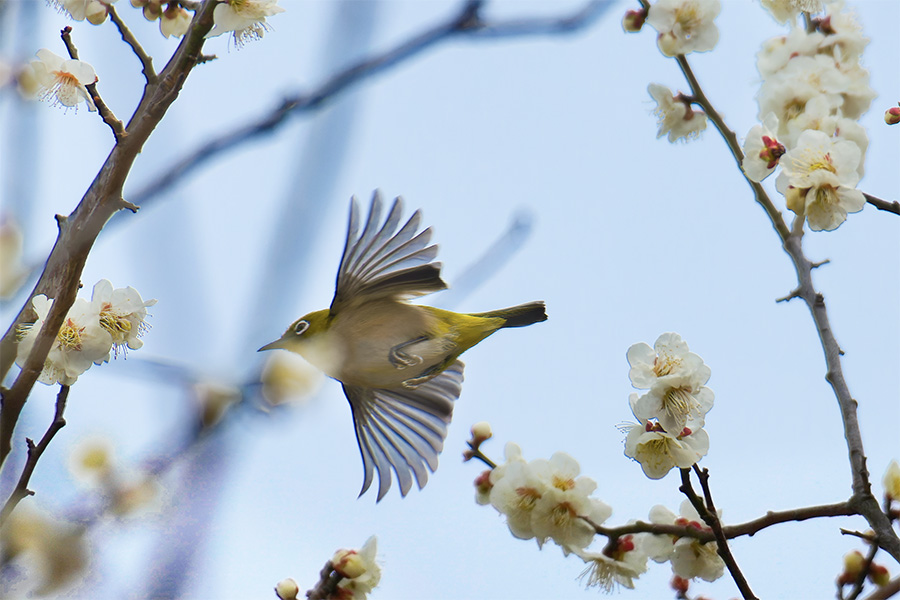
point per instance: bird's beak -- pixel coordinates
(279, 343)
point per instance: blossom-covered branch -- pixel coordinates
(467, 23)
(77, 232)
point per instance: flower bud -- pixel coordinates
(879, 575)
(96, 12)
(892, 115)
(680, 584)
(348, 563)
(481, 431)
(287, 589)
(634, 20)
(854, 563)
(152, 11)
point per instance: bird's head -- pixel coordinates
(302, 333)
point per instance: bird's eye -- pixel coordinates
(301, 327)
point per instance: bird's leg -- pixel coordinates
(401, 359)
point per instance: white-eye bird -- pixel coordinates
(398, 362)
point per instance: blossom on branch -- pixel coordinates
(123, 314)
(94, 11)
(360, 573)
(675, 115)
(818, 178)
(80, 341)
(685, 26)
(245, 18)
(786, 11)
(63, 81)
(659, 451)
(689, 557)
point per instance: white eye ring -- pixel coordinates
(301, 327)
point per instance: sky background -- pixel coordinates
(630, 237)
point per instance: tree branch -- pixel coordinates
(880, 204)
(21, 490)
(147, 62)
(467, 23)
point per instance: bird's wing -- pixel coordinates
(379, 263)
(403, 429)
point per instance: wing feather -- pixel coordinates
(403, 429)
(382, 262)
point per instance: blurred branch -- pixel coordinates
(327, 584)
(861, 578)
(468, 23)
(887, 591)
(880, 204)
(21, 490)
(102, 109)
(792, 242)
(60, 279)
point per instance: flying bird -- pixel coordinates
(398, 362)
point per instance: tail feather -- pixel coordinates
(518, 316)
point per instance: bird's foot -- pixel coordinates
(403, 360)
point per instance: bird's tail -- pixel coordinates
(518, 316)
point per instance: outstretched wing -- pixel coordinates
(403, 429)
(380, 263)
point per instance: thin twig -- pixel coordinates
(21, 490)
(707, 512)
(467, 23)
(886, 591)
(880, 204)
(864, 572)
(128, 37)
(103, 110)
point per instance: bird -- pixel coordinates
(398, 362)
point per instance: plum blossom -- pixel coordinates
(675, 115)
(659, 452)
(786, 11)
(63, 81)
(689, 556)
(245, 18)
(818, 178)
(618, 566)
(80, 341)
(359, 570)
(685, 26)
(762, 150)
(123, 314)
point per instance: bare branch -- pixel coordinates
(880, 204)
(146, 61)
(887, 591)
(21, 490)
(468, 23)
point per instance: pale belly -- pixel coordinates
(370, 335)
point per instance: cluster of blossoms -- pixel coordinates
(688, 556)
(671, 414)
(813, 91)
(547, 500)
(92, 11)
(111, 321)
(359, 575)
(174, 20)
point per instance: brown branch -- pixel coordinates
(467, 23)
(886, 591)
(102, 109)
(880, 204)
(861, 578)
(707, 512)
(21, 490)
(128, 37)
(77, 233)
(863, 500)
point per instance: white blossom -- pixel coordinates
(246, 18)
(658, 451)
(675, 116)
(778, 51)
(80, 341)
(12, 269)
(786, 11)
(366, 573)
(617, 567)
(762, 150)
(63, 81)
(174, 21)
(689, 557)
(818, 179)
(123, 314)
(685, 26)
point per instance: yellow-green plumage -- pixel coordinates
(398, 362)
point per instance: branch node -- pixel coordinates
(795, 293)
(816, 265)
(128, 205)
(205, 58)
